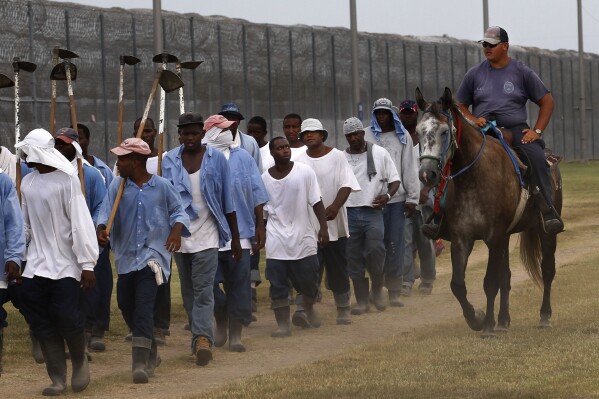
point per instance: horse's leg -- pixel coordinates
(460, 251)
(548, 247)
(503, 317)
(495, 275)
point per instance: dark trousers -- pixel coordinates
(96, 302)
(301, 273)
(236, 295)
(536, 156)
(162, 307)
(335, 264)
(10, 294)
(136, 294)
(51, 307)
(255, 268)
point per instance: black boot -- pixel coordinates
(220, 333)
(80, 377)
(282, 316)
(1, 347)
(56, 364)
(154, 360)
(361, 287)
(235, 328)
(140, 354)
(36, 350)
(378, 296)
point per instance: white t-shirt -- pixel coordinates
(290, 233)
(333, 173)
(60, 234)
(203, 229)
(268, 161)
(386, 173)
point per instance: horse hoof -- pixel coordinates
(488, 335)
(477, 323)
(502, 329)
(544, 324)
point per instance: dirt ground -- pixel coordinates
(179, 376)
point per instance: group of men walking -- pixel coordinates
(218, 199)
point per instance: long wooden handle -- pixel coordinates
(140, 130)
(160, 150)
(121, 105)
(74, 123)
(18, 177)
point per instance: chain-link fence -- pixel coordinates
(267, 70)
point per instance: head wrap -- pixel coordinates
(38, 146)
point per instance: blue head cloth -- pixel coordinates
(386, 104)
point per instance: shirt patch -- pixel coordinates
(508, 87)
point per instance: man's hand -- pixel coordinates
(12, 270)
(409, 210)
(88, 279)
(323, 237)
(236, 249)
(380, 201)
(331, 212)
(529, 136)
(259, 239)
(173, 241)
(480, 122)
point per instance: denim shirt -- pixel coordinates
(248, 190)
(215, 186)
(143, 222)
(249, 144)
(12, 234)
(104, 170)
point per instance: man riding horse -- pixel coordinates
(502, 86)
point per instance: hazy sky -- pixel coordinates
(549, 24)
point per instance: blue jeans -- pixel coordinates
(416, 242)
(51, 307)
(302, 273)
(365, 246)
(395, 220)
(196, 274)
(235, 297)
(135, 295)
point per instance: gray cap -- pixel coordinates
(190, 118)
(352, 125)
(386, 104)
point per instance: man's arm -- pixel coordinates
(260, 235)
(342, 196)
(546, 105)
(235, 244)
(323, 233)
(464, 108)
(381, 200)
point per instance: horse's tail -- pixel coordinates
(531, 254)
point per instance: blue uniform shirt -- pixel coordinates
(215, 185)
(143, 222)
(12, 234)
(104, 170)
(248, 190)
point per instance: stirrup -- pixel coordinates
(553, 226)
(431, 230)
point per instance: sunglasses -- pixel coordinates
(489, 45)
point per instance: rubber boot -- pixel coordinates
(56, 364)
(154, 360)
(96, 340)
(378, 296)
(343, 313)
(394, 288)
(311, 314)
(220, 330)
(36, 350)
(361, 287)
(282, 315)
(140, 354)
(1, 347)
(235, 328)
(80, 377)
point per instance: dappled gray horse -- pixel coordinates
(483, 200)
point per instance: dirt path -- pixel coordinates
(178, 375)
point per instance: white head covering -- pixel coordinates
(38, 146)
(221, 139)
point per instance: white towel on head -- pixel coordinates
(221, 139)
(8, 163)
(38, 146)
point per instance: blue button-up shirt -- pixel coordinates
(104, 170)
(215, 186)
(248, 190)
(12, 234)
(143, 222)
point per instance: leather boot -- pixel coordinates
(311, 314)
(56, 364)
(140, 354)
(378, 296)
(361, 287)
(154, 359)
(36, 350)
(80, 377)
(220, 327)
(202, 350)
(235, 328)
(282, 316)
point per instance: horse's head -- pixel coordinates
(437, 137)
